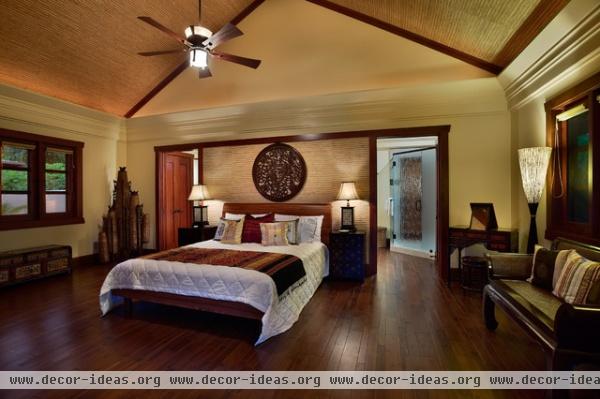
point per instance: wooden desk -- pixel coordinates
(459, 237)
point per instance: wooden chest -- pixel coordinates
(32, 263)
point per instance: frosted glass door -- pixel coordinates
(413, 196)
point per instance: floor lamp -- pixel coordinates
(534, 167)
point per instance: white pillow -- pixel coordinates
(238, 216)
(309, 227)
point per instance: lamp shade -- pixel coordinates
(534, 167)
(347, 192)
(199, 193)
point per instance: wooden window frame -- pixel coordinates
(558, 224)
(37, 216)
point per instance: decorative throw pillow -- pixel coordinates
(309, 227)
(221, 227)
(542, 271)
(307, 230)
(292, 231)
(274, 233)
(578, 280)
(232, 233)
(561, 259)
(252, 232)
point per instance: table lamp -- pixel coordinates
(347, 193)
(199, 193)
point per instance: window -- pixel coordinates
(15, 178)
(40, 181)
(573, 130)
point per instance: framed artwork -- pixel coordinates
(483, 216)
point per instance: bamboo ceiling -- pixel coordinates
(85, 51)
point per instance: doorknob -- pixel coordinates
(177, 211)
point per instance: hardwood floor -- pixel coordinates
(404, 318)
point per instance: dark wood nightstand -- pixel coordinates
(190, 235)
(346, 255)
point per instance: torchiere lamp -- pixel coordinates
(200, 212)
(347, 193)
(534, 167)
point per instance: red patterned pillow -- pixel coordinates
(251, 231)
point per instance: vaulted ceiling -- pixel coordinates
(85, 52)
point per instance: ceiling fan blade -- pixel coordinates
(152, 53)
(227, 32)
(204, 73)
(164, 29)
(249, 62)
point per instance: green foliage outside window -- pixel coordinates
(16, 180)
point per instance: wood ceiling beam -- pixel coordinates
(541, 16)
(470, 59)
(181, 67)
(161, 85)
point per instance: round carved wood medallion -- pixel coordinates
(279, 172)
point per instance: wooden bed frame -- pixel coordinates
(230, 308)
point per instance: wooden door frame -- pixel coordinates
(442, 223)
(160, 161)
(443, 207)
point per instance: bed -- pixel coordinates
(227, 290)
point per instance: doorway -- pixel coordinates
(175, 177)
(407, 184)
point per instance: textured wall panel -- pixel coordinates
(228, 175)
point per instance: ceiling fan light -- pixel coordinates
(198, 58)
(197, 30)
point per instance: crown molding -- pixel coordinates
(25, 110)
(573, 58)
(363, 110)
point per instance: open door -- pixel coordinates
(175, 176)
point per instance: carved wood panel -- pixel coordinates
(279, 172)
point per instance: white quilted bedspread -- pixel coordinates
(227, 283)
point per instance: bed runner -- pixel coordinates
(284, 269)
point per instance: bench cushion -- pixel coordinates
(537, 304)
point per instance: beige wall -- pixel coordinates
(102, 152)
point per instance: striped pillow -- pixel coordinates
(232, 233)
(274, 233)
(577, 278)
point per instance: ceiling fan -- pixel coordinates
(200, 43)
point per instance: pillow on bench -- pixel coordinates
(546, 267)
(579, 281)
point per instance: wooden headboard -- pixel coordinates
(287, 209)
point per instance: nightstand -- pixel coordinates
(190, 235)
(346, 255)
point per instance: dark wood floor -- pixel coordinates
(405, 318)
